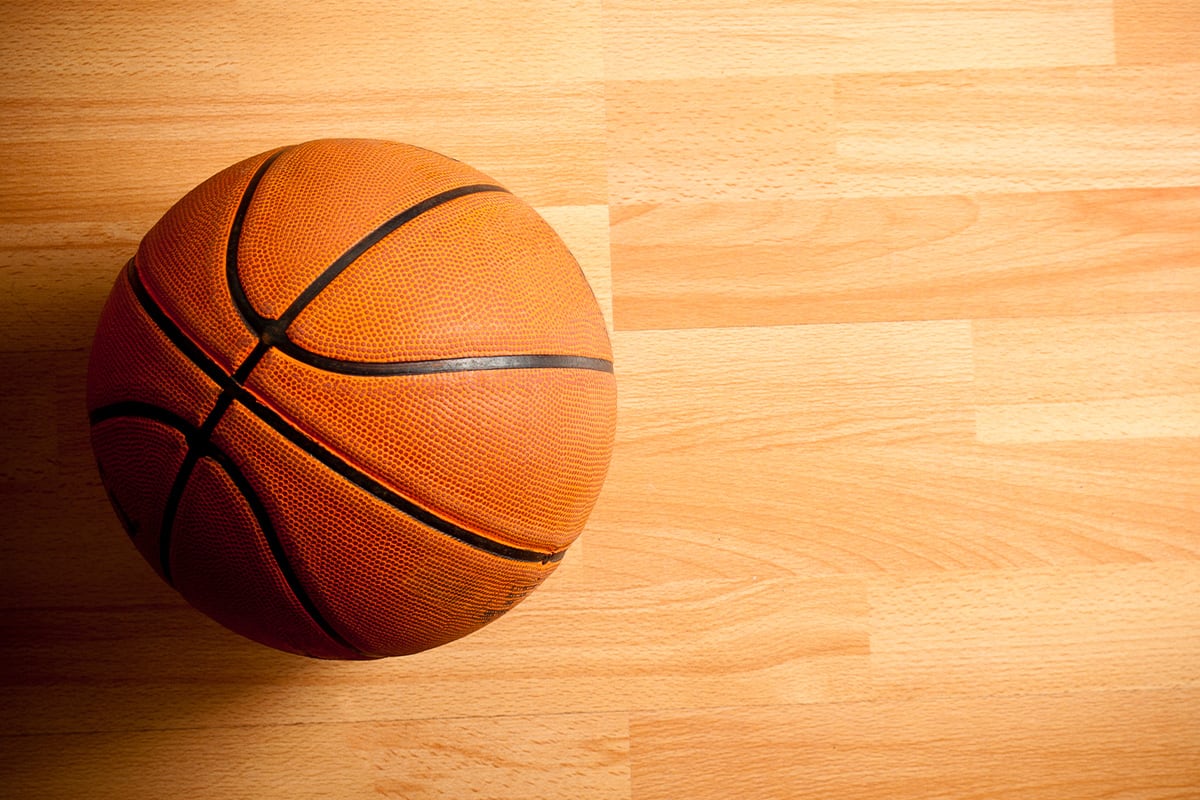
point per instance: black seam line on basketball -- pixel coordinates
(367, 242)
(263, 518)
(395, 500)
(277, 423)
(251, 361)
(184, 343)
(170, 508)
(254, 321)
(173, 332)
(197, 441)
(126, 409)
(135, 408)
(466, 364)
(268, 416)
(148, 411)
(227, 382)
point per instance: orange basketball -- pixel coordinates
(352, 399)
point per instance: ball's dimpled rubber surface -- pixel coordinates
(513, 453)
(514, 288)
(135, 361)
(388, 583)
(222, 564)
(138, 458)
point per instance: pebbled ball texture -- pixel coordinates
(352, 399)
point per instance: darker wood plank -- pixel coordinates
(1156, 31)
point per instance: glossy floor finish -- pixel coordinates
(905, 301)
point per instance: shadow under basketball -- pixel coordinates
(90, 639)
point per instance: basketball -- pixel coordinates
(352, 399)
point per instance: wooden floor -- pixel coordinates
(905, 501)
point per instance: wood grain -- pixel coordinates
(995, 747)
(1036, 630)
(113, 49)
(158, 665)
(887, 134)
(905, 299)
(519, 757)
(1156, 31)
(1056, 385)
(1069, 128)
(721, 139)
(874, 259)
(720, 37)
(860, 448)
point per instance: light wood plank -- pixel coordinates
(1129, 418)
(895, 134)
(366, 44)
(882, 259)
(852, 448)
(719, 139)
(1088, 378)
(552, 756)
(1019, 631)
(1136, 745)
(110, 49)
(719, 38)
(1019, 130)
(1085, 358)
(802, 510)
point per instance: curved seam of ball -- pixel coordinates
(203, 447)
(253, 320)
(197, 440)
(339, 464)
(435, 365)
(290, 430)
(273, 332)
(263, 518)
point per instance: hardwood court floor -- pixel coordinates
(905, 299)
